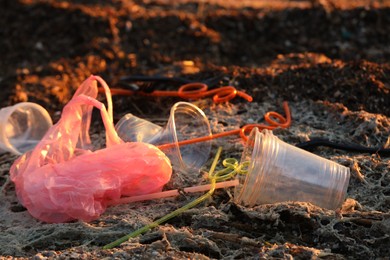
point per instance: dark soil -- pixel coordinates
(339, 55)
(333, 54)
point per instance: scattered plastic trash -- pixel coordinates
(270, 171)
(276, 164)
(274, 120)
(186, 121)
(187, 135)
(62, 179)
(22, 126)
(48, 180)
(232, 168)
(281, 172)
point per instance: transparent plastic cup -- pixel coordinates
(22, 126)
(280, 172)
(186, 121)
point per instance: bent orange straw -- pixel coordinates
(190, 91)
(273, 119)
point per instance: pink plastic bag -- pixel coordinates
(62, 179)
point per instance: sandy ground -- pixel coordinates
(329, 62)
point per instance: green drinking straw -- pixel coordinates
(232, 167)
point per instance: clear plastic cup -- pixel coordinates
(22, 126)
(186, 121)
(280, 172)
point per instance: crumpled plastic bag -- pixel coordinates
(63, 179)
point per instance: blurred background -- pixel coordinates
(321, 49)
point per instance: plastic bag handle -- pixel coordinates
(89, 88)
(38, 159)
(112, 137)
(107, 91)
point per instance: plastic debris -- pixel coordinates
(22, 126)
(281, 172)
(186, 122)
(63, 179)
(232, 168)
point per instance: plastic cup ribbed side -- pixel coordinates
(281, 172)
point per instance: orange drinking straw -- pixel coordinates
(190, 91)
(273, 119)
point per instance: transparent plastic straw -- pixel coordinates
(173, 193)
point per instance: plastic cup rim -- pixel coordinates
(8, 112)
